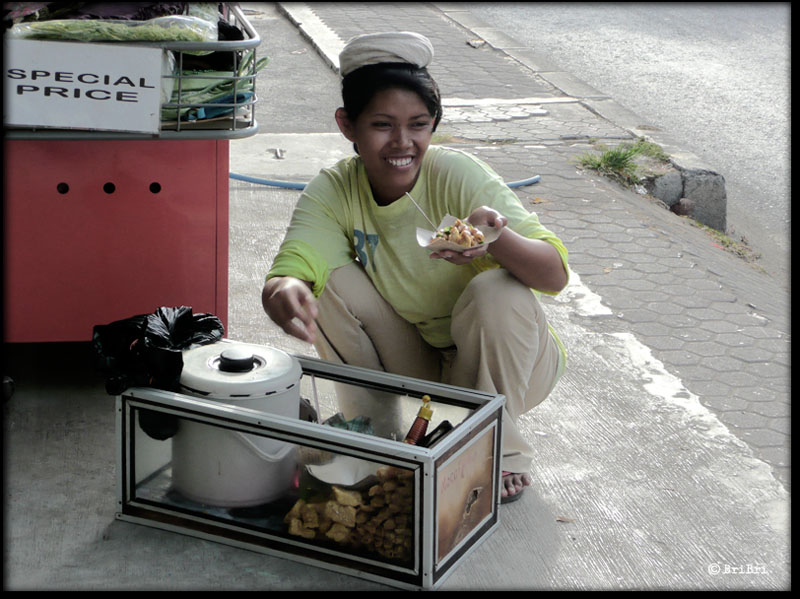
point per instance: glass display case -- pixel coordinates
(339, 486)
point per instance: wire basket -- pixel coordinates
(204, 102)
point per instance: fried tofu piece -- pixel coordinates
(295, 511)
(310, 516)
(342, 514)
(296, 528)
(338, 532)
(345, 497)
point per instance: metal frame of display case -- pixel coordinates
(431, 562)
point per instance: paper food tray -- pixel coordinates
(427, 239)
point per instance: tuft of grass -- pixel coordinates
(620, 163)
(650, 149)
(617, 163)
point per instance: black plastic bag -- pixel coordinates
(145, 351)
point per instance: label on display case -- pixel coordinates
(465, 493)
(105, 87)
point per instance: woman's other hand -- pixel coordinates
(487, 217)
(480, 217)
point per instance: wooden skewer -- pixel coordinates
(421, 211)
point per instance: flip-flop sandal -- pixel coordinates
(515, 496)
(511, 498)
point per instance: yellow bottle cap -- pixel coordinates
(426, 411)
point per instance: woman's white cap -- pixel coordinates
(391, 46)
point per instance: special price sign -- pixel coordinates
(67, 85)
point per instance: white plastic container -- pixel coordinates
(224, 468)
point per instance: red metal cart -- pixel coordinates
(100, 226)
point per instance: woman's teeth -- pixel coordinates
(400, 161)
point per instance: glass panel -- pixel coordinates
(307, 494)
(374, 517)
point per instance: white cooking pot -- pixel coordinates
(226, 468)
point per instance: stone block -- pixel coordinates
(667, 187)
(706, 189)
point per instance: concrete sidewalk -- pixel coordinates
(663, 453)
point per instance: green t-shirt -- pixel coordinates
(336, 221)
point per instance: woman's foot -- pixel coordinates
(513, 485)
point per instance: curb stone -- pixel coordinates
(322, 38)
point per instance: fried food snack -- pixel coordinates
(462, 233)
(378, 520)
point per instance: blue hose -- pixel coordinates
(284, 184)
(524, 182)
(293, 185)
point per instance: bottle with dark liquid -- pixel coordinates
(420, 426)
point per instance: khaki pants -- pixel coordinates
(502, 344)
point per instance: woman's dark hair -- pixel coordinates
(361, 85)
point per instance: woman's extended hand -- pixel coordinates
(290, 303)
(480, 217)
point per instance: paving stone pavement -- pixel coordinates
(708, 327)
(714, 321)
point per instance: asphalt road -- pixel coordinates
(715, 76)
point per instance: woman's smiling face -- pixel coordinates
(392, 134)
